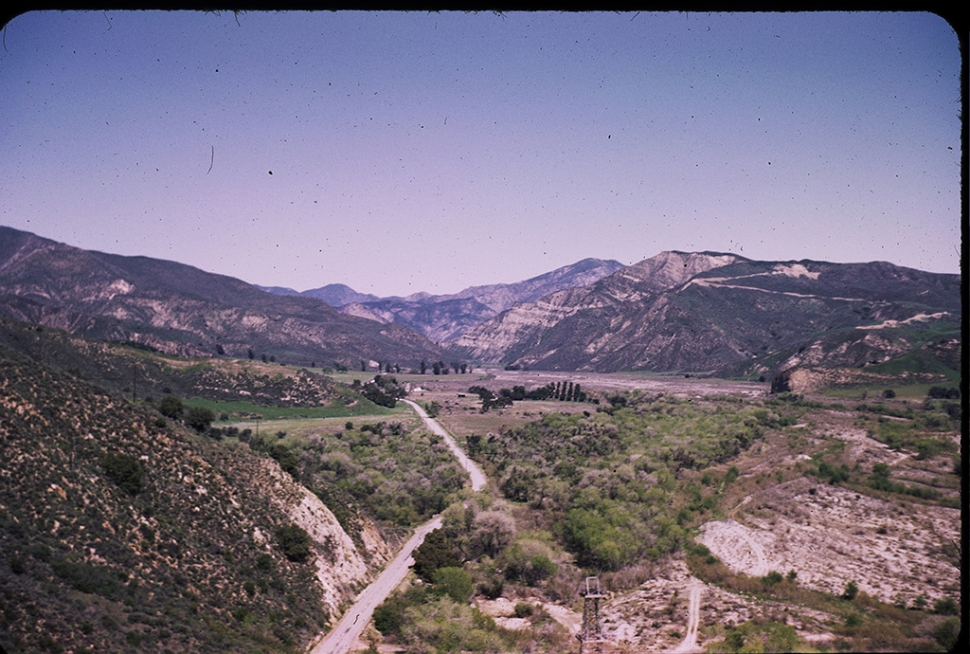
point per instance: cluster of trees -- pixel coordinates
(879, 479)
(441, 368)
(383, 391)
(607, 484)
(562, 391)
(199, 418)
(941, 392)
(387, 367)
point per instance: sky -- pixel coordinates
(428, 152)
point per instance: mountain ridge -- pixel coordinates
(184, 310)
(444, 318)
(708, 312)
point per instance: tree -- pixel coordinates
(433, 408)
(171, 407)
(295, 542)
(437, 551)
(124, 470)
(493, 532)
(250, 353)
(200, 418)
(424, 366)
(436, 368)
(455, 583)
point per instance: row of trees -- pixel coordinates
(441, 368)
(562, 391)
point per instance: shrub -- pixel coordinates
(947, 633)
(124, 470)
(171, 407)
(455, 583)
(851, 590)
(87, 578)
(18, 564)
(294, 542)
(389, 616)
(199, 418)
(523, 610)
(945, 606)
(437, 551)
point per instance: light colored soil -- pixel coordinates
(831, 538)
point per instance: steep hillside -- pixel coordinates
(135, 371)
(444, 318)
(121, 532)
(708, 312)
(183, 310)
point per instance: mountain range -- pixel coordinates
(696, 313)
(724, 314)
(182, 310)
(444, 318)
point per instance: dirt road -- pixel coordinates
(689, 644)
(478, 478)
(344, 636)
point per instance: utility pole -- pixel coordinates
(592, 629)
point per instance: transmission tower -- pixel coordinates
(592, 632)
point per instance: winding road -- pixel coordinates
(479, 481)
(344, 635)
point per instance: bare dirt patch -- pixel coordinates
(834, 535)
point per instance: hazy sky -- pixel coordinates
(405, 152)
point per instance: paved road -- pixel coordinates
(341, 638)
(479, 481)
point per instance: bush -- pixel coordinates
(294, 542)
(389, 616)
(523, 610)
(851, 590)
(87, 578)
(455, 583)
(947, 633)
(124, 470)
(437, 551)
(171, 407)
(945, 606)
(199, 418)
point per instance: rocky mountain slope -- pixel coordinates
(183, 310)
(444, 318)
(138, 373)
(121, 532)
(712, 312)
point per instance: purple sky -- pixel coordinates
(430, 152)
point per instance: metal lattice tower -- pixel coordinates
(592, 629)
